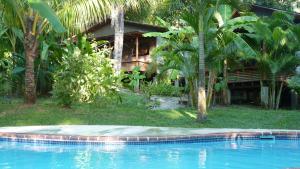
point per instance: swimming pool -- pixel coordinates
(241, 154)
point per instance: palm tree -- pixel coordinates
(180, 49)
(199, 15)
(32, 17)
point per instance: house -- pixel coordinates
(244, 84)
(136, 49)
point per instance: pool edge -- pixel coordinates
(211, 137)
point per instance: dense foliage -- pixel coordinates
(294, 83)
(278, 4)
(178, 50)
(5, 73)
(276, 40)
(161, 89)
(84, 74)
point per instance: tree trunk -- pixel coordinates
(279, 96)
(225, 89)
(273, 92)
(202, 114)
(117, 20)
(192, 94)
(264, 95)
(31, 51)
(210, 87)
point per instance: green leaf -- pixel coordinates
(157, 34)
(224, 14)
(263, 31)
(279, 36)
(240, 22)
(2, 32)
(44, 54)
(18, 32)
(45, 11)
(18, 70)
(243, 46)
(161, 22)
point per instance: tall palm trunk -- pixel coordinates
(225, 89)
(117, 20)
(31, 51)
(202, 114)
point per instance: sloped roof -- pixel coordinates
(129, 26)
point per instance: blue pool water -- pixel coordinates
(254, 154)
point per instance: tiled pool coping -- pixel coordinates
(211, 137)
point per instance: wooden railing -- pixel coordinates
(142, 62)
(251, 76)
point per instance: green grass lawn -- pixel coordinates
(133, 111)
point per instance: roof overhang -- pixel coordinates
(267, 11)
(152, 28)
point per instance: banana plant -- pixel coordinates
(231, 40)
(177, 53)
(32, 17)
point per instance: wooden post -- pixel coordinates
(137, 50)
(264, 96)
(294, 100)
(137, 87)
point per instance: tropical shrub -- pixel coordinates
(294, 83)
(135, 78)
(85, 73)
(5, 73)
(162, 89)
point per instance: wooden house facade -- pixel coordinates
(136, 49)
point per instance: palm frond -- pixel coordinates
(45, 11)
